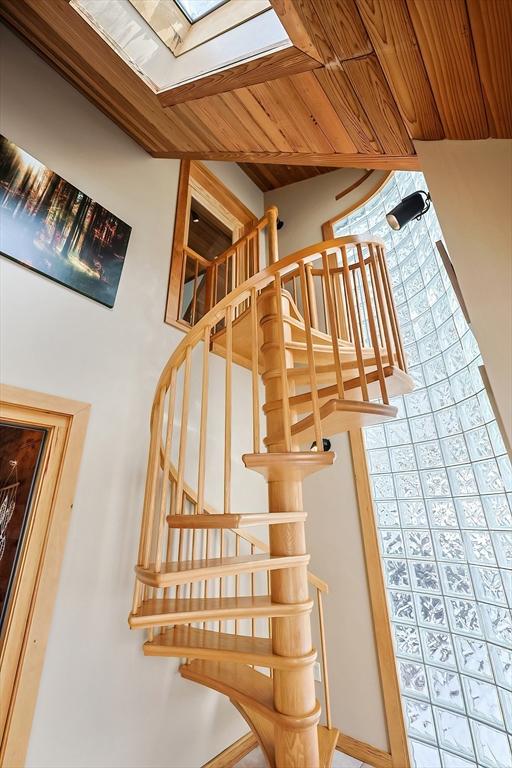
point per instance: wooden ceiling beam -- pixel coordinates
(270, 67)
(334, 160)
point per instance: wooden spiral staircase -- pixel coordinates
(318, 334)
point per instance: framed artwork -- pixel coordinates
(53, 228)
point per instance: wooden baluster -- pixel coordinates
(152, 482)
(237, 576)
(149, 497)
(371, 325)
(287, 437)
(338, 296)
(332, 325)
(228, 409)
(391, 310)
(313, 312)
(347, 313)
(165, 478)
(194, 296)
(311, 360)
(253, 620)
(201, 464)
(355, 328)
(385, 322)
(254, 373)
(323, 647)
(358, 308)
(183, 446)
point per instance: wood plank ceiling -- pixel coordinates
(380, 73)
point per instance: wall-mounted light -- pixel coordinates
(195, 218)
(280, 224)
(326, 444)
(411, 207)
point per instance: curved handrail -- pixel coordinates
(258, 281)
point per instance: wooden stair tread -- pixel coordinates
(339, 416)
(232, 679)
(327, 741)
(245, 686)
(160, 612)
(205, 644)
(197, 570)
(397, 383)
(325, 373)
(234, 520)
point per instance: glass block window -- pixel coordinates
(441, 482)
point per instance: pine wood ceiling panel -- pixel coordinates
(309, 90)
(391, 32)
(268, 177)
(344, 30)
(337, 87)
(264, 120)
(370, 85)
(491, 25)
(236, 108)
(444, 37)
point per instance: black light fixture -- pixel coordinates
(411, 207)
(280, 224)
(326, 445)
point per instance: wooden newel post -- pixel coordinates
(273, 254)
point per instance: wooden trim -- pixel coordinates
(196, 178)
(333, 160)
(399, 754)
(373, 756)
(28, 620)
(495, 409)
(328, 226)
(381, 625)
(296, 27)
(290, 61)
(230, 756)
(452, 276)
(355, 185)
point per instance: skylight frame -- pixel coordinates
(203, 15)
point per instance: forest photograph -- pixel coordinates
(50, 226)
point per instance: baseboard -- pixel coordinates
(373, 756)
(232, 754)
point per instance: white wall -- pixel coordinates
(471, 185)
(101, 703)
(305, 206)
(333, 528)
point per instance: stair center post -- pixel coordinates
(294, 688)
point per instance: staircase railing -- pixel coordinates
(338, 293)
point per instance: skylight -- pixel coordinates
(159, 42)
(196, 9)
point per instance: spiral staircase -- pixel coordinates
(318, 334)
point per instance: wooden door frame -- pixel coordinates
(28, 617)
(196, 178)
(398, 749)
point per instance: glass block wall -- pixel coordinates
(440, 477)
